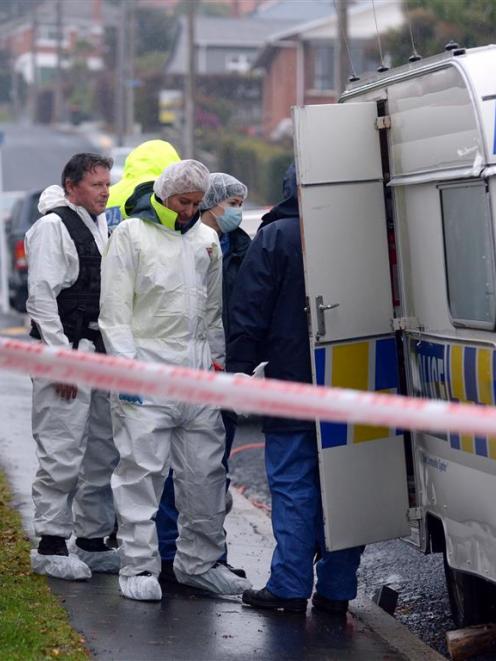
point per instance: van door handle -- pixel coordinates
(321, 308)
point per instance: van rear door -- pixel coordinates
(348, 284)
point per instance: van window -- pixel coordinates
(433, 119)
(469, 255)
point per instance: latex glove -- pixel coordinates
(132, 399)
(259, 371)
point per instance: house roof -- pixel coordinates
(218, 32)
(362, 18)
(300, 10)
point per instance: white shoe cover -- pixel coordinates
(100, 562)
(217, 579)
(68, 567)
(141, 588)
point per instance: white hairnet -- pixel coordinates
(187, 176)
(222, 186)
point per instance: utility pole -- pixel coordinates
(189, 90)
(120, 89)
(59, 81)
(14, 82)
(341, 65)
(33, 100)
(130, 70)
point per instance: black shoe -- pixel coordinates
(235, 570)
(112, 540)
(334, 606)
(167, 572)
(265, 599)
(92, 544)
(52, 545)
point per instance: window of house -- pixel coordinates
(323, 78)
(238, 63)
(469, 255)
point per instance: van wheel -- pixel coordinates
(472, 599)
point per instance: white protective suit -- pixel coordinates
(161, 300)
(75, 448)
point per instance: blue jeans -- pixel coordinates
(166, 517)
(292, 471)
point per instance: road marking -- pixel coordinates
(248, 446)
(14, 330)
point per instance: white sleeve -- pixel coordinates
(119, 266)
(53, 265)
(215, 329)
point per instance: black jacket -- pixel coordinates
(231, 263)
(268, 318)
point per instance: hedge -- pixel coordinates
(257, 164)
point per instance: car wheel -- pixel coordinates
(472, 599)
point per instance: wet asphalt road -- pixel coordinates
(419, 580)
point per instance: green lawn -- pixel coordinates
(33, 624)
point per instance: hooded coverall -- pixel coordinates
(162, 301)
(144, 163)
(76, 452)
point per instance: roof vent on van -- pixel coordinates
(451, 45)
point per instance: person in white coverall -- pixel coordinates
(71, 424)
(161, 301)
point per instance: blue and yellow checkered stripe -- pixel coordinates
(464, 373)
(363, 365)
(471, 378)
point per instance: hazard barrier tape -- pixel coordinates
(260, 396)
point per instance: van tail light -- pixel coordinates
(21, 263)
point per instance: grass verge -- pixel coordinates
(33, 624)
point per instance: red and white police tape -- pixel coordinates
(260, 396)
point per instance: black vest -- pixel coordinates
(79, 305)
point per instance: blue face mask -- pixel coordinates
(230, 219)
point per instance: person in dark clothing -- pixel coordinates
(221, 209)
(269, 323)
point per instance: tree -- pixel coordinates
(435, 22)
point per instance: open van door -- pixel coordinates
(348, 285)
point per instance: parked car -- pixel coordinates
(252, 219)
(7, 201)
(24, 213)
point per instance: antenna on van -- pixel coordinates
(382, 67)
(415, 56)
(353, 77)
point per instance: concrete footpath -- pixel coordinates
(189, 624)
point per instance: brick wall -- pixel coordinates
(279, 91)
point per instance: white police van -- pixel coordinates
(397, 191)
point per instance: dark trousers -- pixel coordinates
(292, 470)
